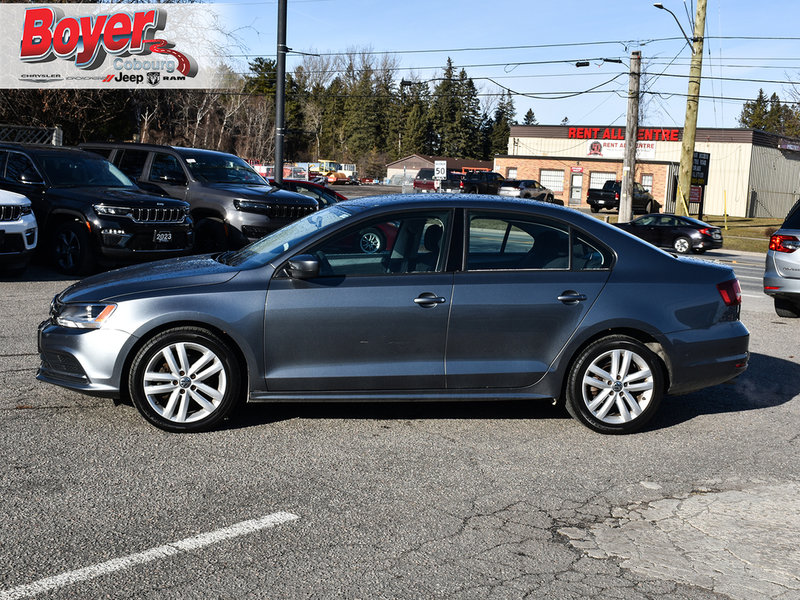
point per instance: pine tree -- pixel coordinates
(754, 114)
(530, 118)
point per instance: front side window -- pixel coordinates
(396, 244)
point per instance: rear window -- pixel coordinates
(510, 183)
(793, 218)
(425, 174)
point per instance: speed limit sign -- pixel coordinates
(440, 169)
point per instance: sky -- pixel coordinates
(531, 47)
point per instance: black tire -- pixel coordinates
(595, 209)
(649, 208)
(682, 244)
(609, 404)
(371, 241)
(193, 393)
(786, 308)
(210, 235)
(70, 250)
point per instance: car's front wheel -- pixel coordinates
(615, 385)
(185, 379)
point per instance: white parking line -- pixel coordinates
(125, 562)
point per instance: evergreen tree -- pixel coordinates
(754, 114)
(503, 119)
(529, 119)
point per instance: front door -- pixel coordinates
(576, 189)
(376, 316)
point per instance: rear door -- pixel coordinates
(526, 286)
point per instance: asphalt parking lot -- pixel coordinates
(484, 500)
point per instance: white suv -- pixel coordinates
(18, 232)
(782, 272)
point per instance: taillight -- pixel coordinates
(784, 243)
(731, 292)
(706, 231)
(616, 195)
(461, 184)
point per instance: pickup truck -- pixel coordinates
(608, 197)
(424, 181)
(474, 182)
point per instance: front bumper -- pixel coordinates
(85, 360)
(124, 239)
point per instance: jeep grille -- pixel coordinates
(10, 213)
(157, 215)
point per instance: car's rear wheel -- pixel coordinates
(371, 241)
(615, 385)
(682, 245)
(786, 308)
(70, 250)
(185, 379)
(595, 209)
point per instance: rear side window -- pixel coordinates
(20, 168)
(793, 218)
(501, 243)
(131, 162)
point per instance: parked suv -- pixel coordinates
(18, 232)
(88, 211)
(231, 204)
(782, 271)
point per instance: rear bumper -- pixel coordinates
(705, 357)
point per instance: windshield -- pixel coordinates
(264, 250)
(222, 168)
(64, 170)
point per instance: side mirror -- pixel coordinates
(303, 266)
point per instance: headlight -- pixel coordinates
(113, 211)
(251, 206)
(84, 316)
(26, 210)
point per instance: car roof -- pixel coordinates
(133, 145)
(42, 148)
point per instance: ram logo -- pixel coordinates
(153, 77)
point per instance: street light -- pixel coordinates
(689, 40)
(692, 103)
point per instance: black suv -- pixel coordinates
(231, 204)
(88, 211)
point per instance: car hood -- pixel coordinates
(263, 192)
(114, 196)
(187, 271)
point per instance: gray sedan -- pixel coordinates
(470, 298)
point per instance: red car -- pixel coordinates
(324, 195)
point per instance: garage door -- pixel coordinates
(598, 178)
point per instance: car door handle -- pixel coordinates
(571, 297)
(428, 300)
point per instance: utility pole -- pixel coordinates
(692, 102)
(631, 133)
(280, 91)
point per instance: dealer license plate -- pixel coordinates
(162, 237)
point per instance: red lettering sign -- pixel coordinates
(85, 38)
(646, 134)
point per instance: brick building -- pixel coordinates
(751, 173)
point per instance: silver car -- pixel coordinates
(471, 297)
(782, 271)
(527, 188)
